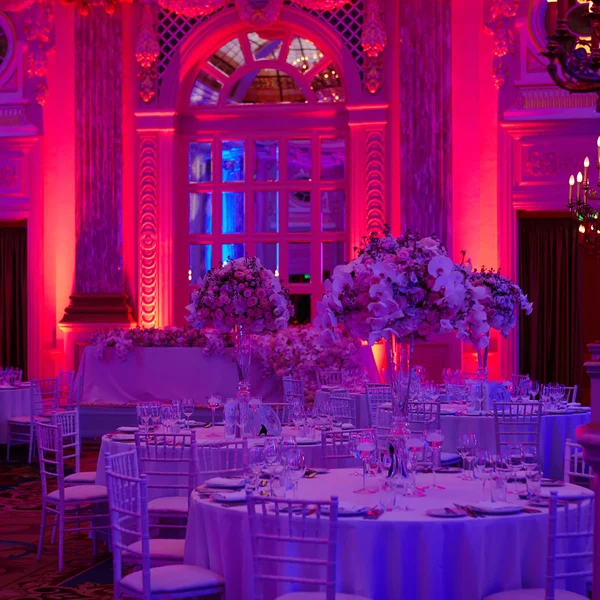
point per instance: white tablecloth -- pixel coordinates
(13, 403)
(163, 374)
(404, 554)
(555, 430)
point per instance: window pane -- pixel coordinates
(299, 212)
(334, 254)
(301, 304)
(201, 213)
(232, 155)
(303, 54)
(263, 48)
(268, 254)
(200, 261)
(266, 86)
(228, 58)
(333, 159)
(299, 262)
(333, 210)
(327, 86)
(200, 162)
(299, 159)
(233, 212)
(230, 251)
(266, 212)
(206, 90)
(266, 156)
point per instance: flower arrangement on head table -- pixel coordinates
(492, 302)
(240, 292)
(405, 286)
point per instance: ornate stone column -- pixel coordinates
(589, 437)
(99, 299)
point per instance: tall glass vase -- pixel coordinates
(399, 358)
(482, 359)
(481, 391)
(243, 357)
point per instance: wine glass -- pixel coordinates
(484, 466)
(271, 456)
(187, 405)
(534, 388)
(145, 415)
(167, 416)
(515, 457)
(434, 438)
(295, 467)
(155, 413)
(467, 445)
(253, 468)
(365, 445)
(213, 403)
(530, 457)
(353, 449)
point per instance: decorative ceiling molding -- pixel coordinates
(264, 15)
(501, 26)
(373, 42)
(147, 50)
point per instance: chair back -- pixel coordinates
(293, 390)
(50, 449)
(422, 416)
(44, 395)
(343, 406)
(577, 470)
(128, 509)
(570, 394)
(329, 377)
(377, 393)
(65, 388)
(570, 541)
(169, 460)
(517, 423)
(282, 410)
(289, 548)
(223, 458)
(336, 444)
(71, 442)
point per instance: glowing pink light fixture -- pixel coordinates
(193, 8)
(322, 4)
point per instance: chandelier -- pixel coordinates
(580, 199)
(573, 47)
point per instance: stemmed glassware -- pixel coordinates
(515, 457)
(168, 417)
(484, 465)
(467, 446)
(271, 456)
(256, 462)
(295, 467)
(155, 413)
(144, 415)
(213, 403)
(534, 388)
(365, 446)
(187, 405)
(297, 414)
(434, 438)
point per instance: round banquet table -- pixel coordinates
(14, 402)
(115, 444)
(403, 554)
(555, 430)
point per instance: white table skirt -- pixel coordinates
(404, 554)
(555, 430)
(14, 402)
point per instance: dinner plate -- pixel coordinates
(304, 441)
(225, 483)
(123, 437)
(443, 513)
(449, 470)
(126, 429)
(346, 509)
(552, 483)
(496, 508)
(237, 496)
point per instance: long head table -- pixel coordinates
(403, 554)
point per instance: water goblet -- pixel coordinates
(484, 467)
(145, 415)
(271, 456)
(533, 478)
(530, 457)
(534, 388)
(434, 438)
(187, 405)
(295, 467)
(515, 457)
(467, 445)
(155, 413)
(213, 403)
(503, 469)
(365, 446)
(254, 466)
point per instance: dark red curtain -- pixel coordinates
(550, 272)
(13, 299)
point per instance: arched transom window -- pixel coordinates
(269, 189)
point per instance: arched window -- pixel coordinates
(266, 162)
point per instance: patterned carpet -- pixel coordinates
(21, 575)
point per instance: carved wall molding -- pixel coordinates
(373, 41)
(8, 176)
(549, 97)
(148, 231)
(375, 182)
(502, 27)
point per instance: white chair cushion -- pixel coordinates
(81, 493)
(25, 420)
(160, 549)
(174, 578)
(171, 504)
(534, 594)
(83, 477)
(319, 596)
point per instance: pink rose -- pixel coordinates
(252, 301)
(247, 293)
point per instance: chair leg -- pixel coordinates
(42, 531)
(61, 539)
(30, 450)
(8, 448)
(94, 535)
(54, 529)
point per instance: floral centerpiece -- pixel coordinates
(241, 296)
(396, 289)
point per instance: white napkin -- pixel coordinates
(347, 426)
(127, 429)
(225, 482)
(238, 496)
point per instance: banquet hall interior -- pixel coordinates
(299, 299)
